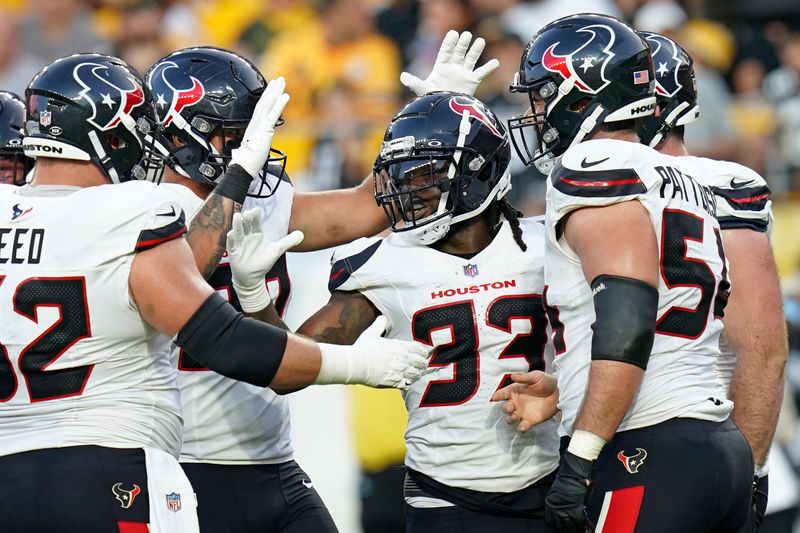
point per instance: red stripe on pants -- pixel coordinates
(623, 510)
(133, 527)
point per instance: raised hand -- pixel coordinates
(453, 70)
(251, 257)
(252, 154)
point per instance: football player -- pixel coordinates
(638, 281)
(237, 436)
(89, 272)
(744, 214)
(462, 274)
(754, 342)
(14, 166)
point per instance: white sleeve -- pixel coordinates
(743, 197)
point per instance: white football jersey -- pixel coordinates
(485, 317)
(226, 421)
(78, 364)
(680, 380)
(742, 203)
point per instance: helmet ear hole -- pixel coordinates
(114, 141)
(579, 105)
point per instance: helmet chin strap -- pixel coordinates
(669, 122)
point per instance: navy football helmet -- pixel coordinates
(14, 166)
(201, 93)
(584, 70)
(676, 89)
(93, 107)
(444, 159)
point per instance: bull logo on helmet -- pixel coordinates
(667, 62)
(586, 66)
(170, 99)
(125, 496)
(476, 111)
(111, 96)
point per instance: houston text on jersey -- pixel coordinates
(472, 289)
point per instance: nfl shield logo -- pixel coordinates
(44, 118)
(174, 502)
(471, 270)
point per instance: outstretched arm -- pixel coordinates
(755, 328)
(172, 297)
(331, 218)
(346, 316)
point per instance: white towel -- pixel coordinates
(173, 506)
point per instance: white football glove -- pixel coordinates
(453, 70)
(251, 257)
(373, 360)
(254, 150)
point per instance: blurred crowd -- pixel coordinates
(342, 60)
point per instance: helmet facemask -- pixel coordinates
(14, 166)
(535, 139)
(198, 158)
(425, 189)
(417, 190)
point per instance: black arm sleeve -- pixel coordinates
(234, 184)
(232, 345)
(625, 319)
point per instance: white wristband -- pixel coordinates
(254, 299)
(585, 445)
(763, 470)
(334, 365)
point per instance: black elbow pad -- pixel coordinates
(231, 344)
(625, 319)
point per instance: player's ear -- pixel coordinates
(175, 140)
(113, 141)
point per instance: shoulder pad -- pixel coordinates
(597, 169)
(148, 210)
(349, 258)
(743, 195)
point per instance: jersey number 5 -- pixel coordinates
(68, 295)
(680, 270)
(462, 352)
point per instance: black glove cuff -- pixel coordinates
(234, 184)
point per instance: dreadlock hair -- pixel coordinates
(503, 208)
